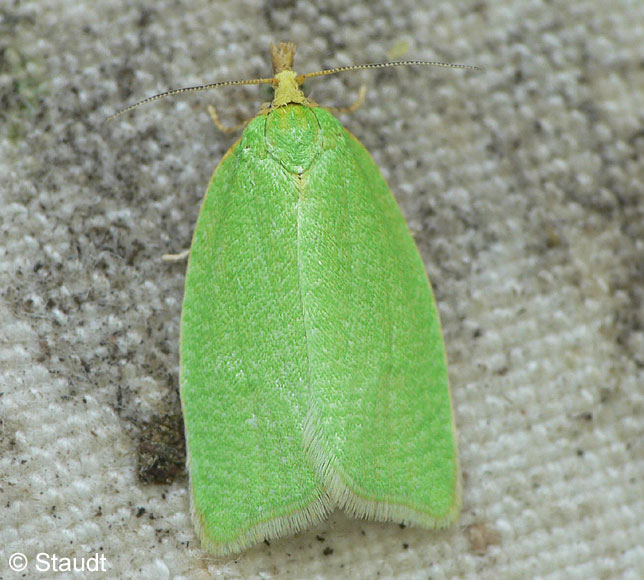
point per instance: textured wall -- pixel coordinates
(523, 186)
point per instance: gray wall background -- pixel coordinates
(523, 186)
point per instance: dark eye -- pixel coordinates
(306, 88)
(267, 92)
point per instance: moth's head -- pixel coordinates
(287, 83)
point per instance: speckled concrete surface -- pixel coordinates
(523, 186)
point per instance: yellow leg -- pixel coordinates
(224, 128)
(350, 109)
(175, 257)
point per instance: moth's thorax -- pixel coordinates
(293, 136)
(288, 90)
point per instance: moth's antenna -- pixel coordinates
(189, 90)
(299, 79)
(332, 71)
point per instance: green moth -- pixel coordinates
(313, 369)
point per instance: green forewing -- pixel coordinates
(313, 370)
